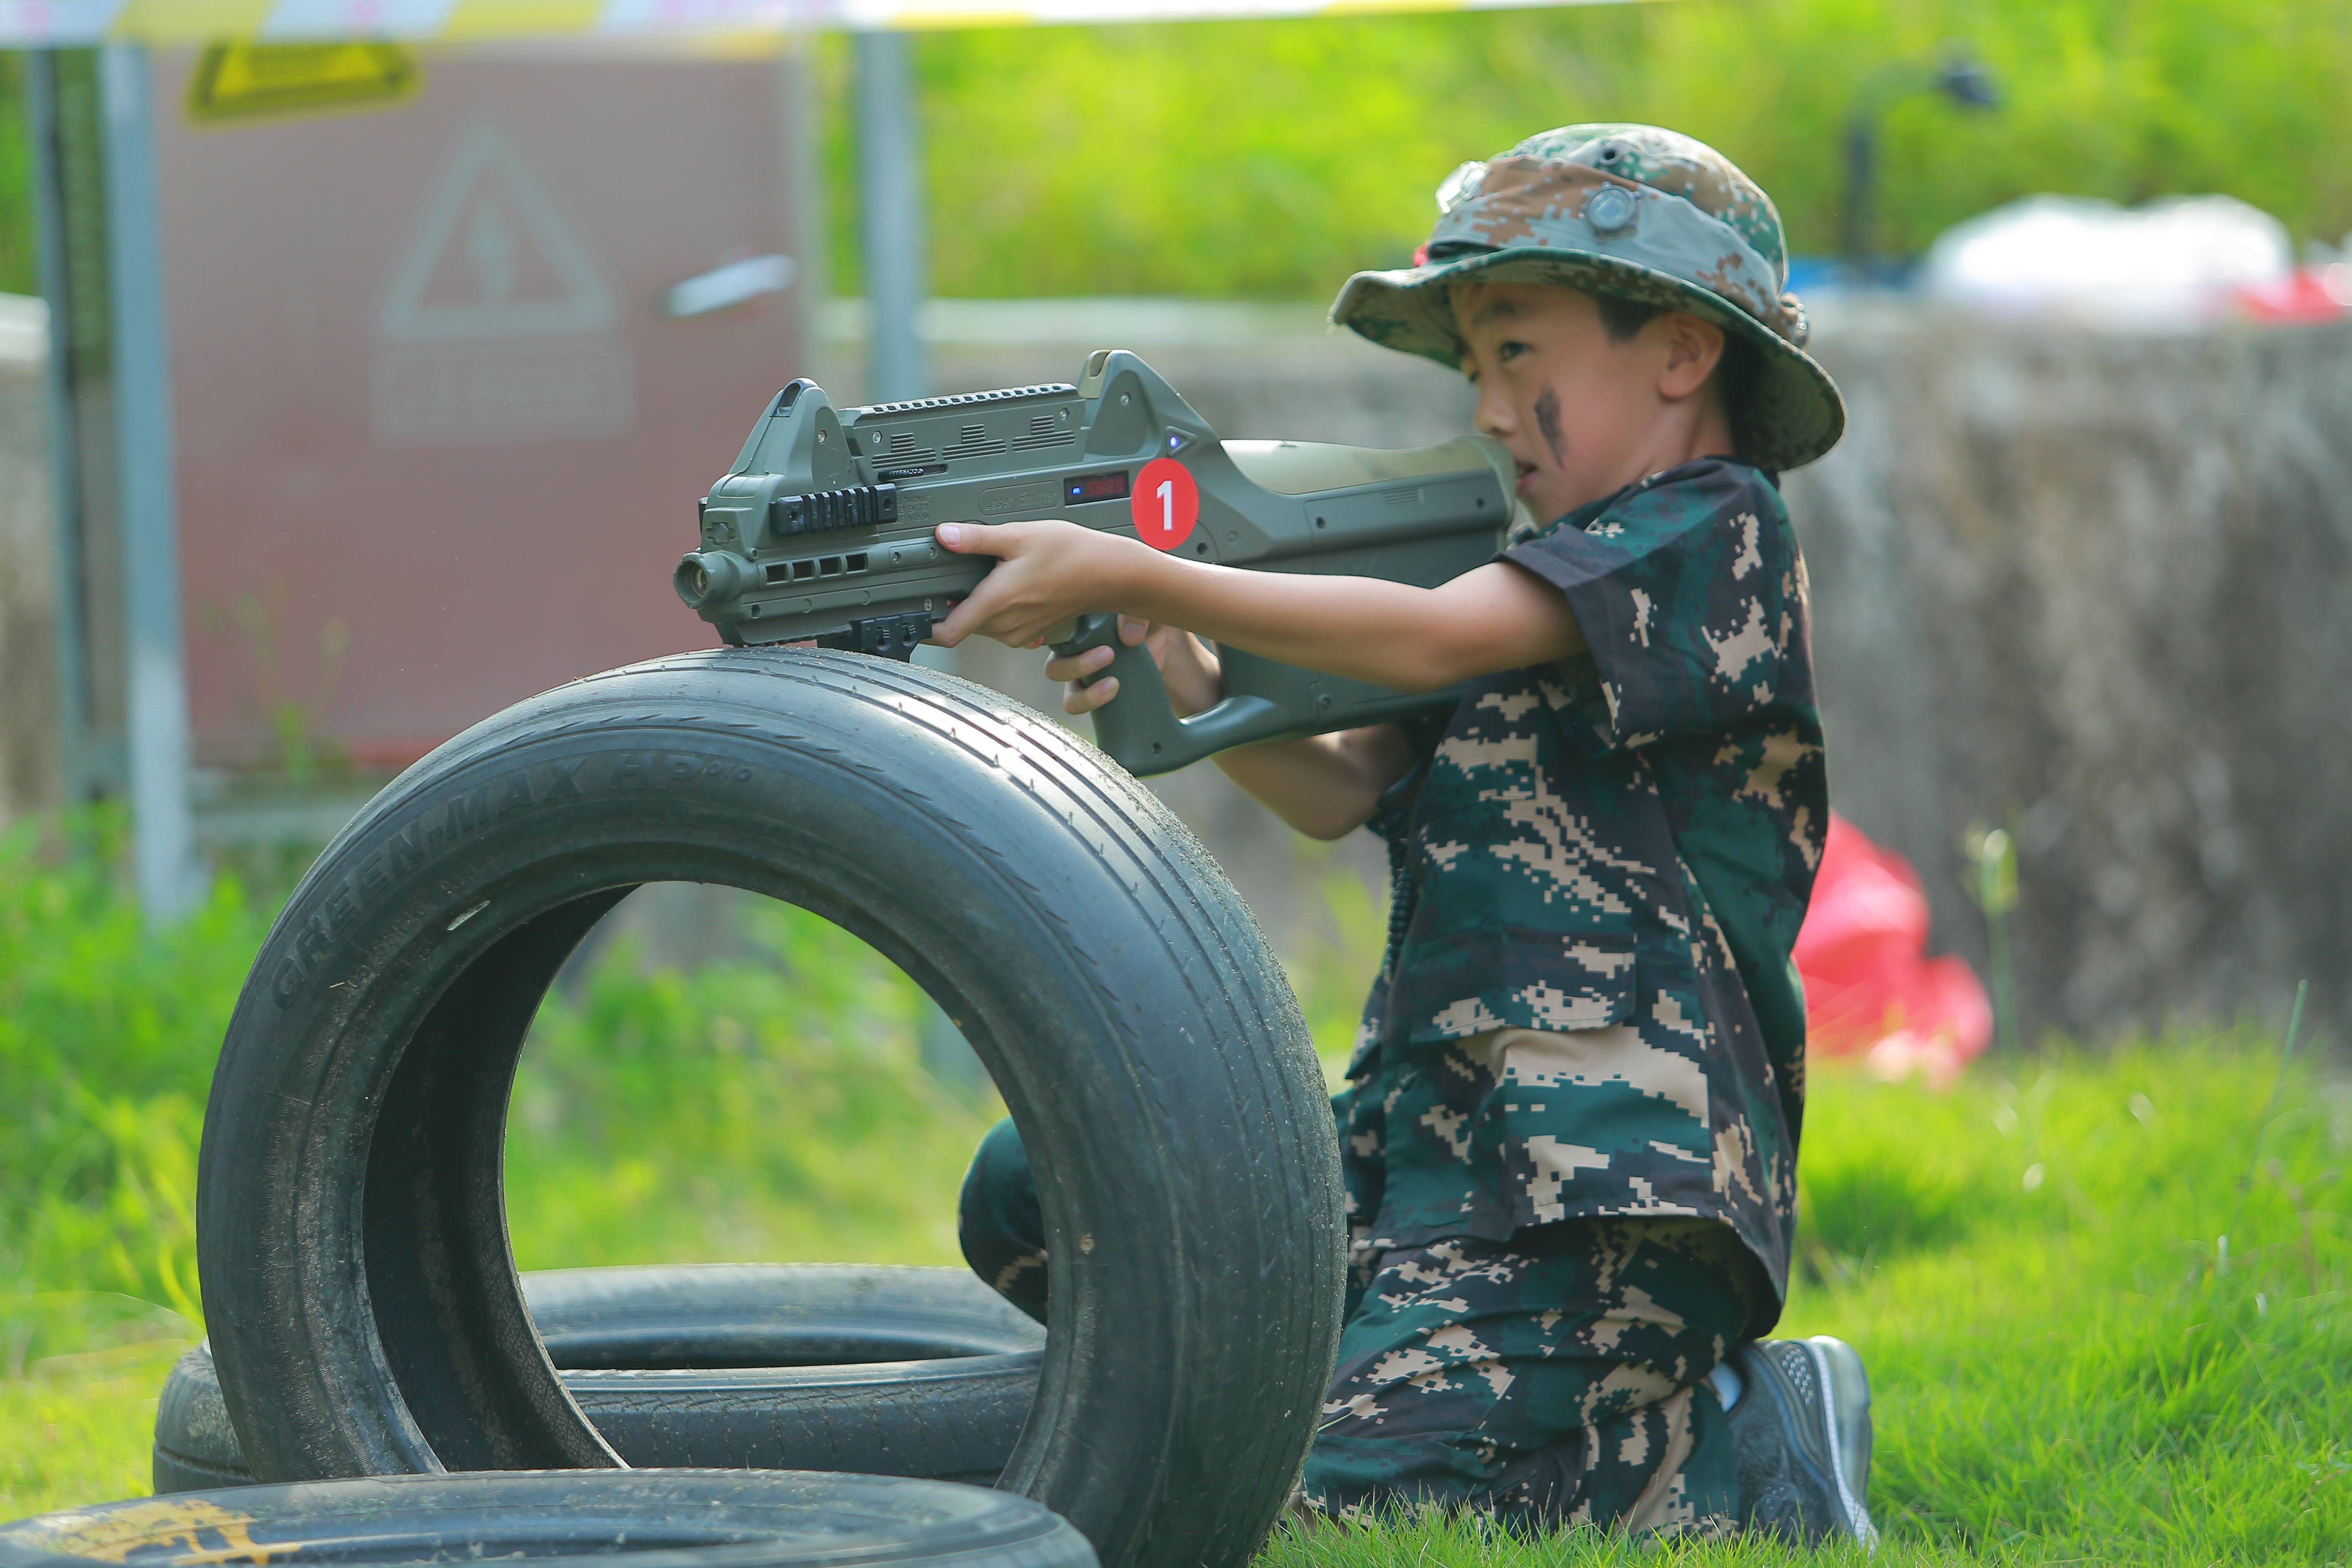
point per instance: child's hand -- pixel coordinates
(1194, 682)
(1048, 575)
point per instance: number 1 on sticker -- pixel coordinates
(1170, 523)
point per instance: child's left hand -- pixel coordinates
(1048, 575)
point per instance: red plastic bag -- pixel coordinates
(2312, 294)
(1871, 990)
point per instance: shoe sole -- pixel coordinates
(1845, 1395)
(1818, 1399)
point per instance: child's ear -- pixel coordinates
(1694, 348)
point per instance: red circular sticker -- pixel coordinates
(1166, 503)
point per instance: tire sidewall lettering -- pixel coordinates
(442, 823)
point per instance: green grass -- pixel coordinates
(1272, 159)
(2069, 1364)
(773, 1109)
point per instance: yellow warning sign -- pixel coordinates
(249, 82)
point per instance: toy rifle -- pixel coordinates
(822, 532)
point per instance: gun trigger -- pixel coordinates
(1096, 628)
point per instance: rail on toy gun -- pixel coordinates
(821, 531)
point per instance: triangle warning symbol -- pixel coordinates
(491, 256)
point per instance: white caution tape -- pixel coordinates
(82, 22)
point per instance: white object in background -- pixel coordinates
(24, 329)
(2170, 264)
(730, 285)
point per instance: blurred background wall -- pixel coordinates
(2090, 588)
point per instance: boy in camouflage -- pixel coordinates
(1570, 1126)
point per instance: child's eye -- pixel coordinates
(1508, 350)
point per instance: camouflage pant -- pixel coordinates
(1557, 1378)
(999, 1224)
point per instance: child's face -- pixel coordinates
(1583, 414)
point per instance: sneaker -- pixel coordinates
(1801, 1432)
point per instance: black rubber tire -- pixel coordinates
(875, 1370)
(632, 1518)
(352, 1238)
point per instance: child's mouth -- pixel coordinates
(1527, 472)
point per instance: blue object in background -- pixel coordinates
(1808, 275)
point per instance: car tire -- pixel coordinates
(352, 1242)
(871, 1369)
(622, 1519)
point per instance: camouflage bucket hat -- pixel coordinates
(1632, 210)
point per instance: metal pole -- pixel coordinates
(170, 878)
(804, 205)
(889, 148)
(73, 713)
(1861, 191)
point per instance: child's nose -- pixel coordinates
(1494, 414)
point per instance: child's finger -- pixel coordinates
(963, 618)
(970, 539)
(1078, 698)
(986, 611)
(1075, 665)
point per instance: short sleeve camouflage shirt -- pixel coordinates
(1617, 849)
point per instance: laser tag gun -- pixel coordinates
(822, 532)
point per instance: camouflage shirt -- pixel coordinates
(1617, 848)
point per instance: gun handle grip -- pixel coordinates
(1139, 728)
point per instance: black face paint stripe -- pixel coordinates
(1548, 421)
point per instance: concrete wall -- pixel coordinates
(2098, 590)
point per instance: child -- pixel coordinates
(1570, 1129)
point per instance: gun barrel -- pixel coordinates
(710, 577)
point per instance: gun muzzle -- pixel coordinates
(710, 577)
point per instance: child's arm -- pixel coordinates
(1498, 616)
(1326, 786)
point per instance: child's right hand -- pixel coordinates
(1194, 682)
